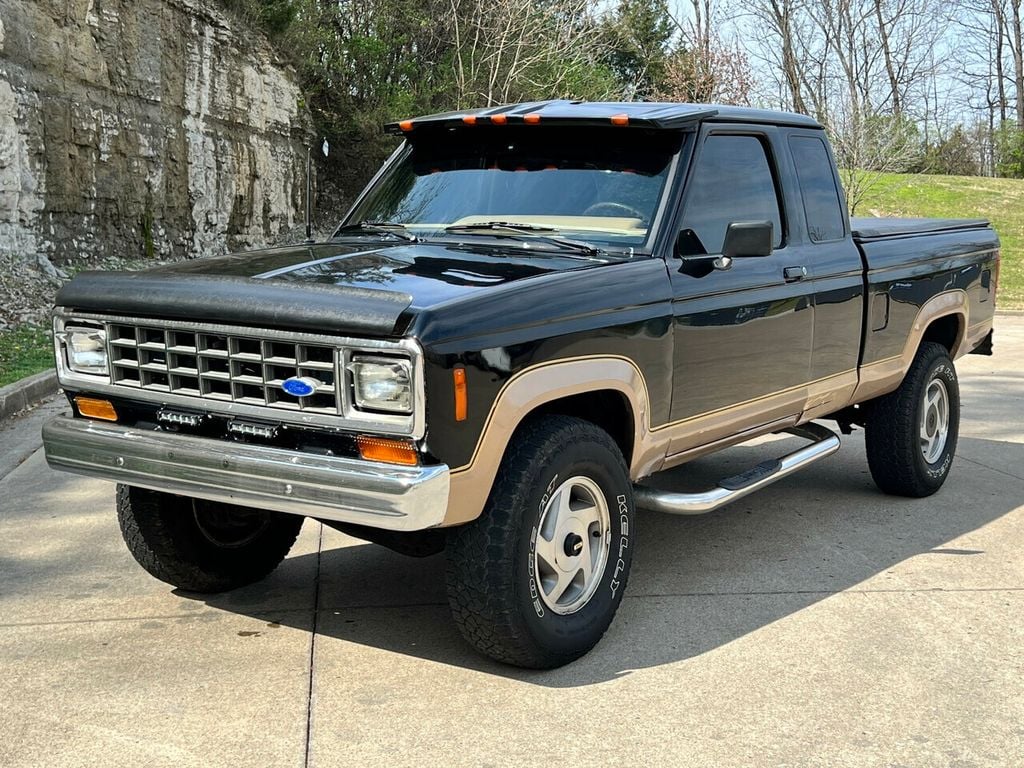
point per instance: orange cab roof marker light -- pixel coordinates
(620, 119)
(405, 125)
(469, 119)
(461, 402)
(499, 119)
(532, 119)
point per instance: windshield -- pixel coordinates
(600, 185)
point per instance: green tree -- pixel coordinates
(271, 16)
(955, 155)
(364, 63)
(638, 36)
(1009, 151)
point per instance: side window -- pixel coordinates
(822, 205)
(732, 181)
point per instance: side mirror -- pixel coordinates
(696, 262)
(748, 238)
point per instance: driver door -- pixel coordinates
(742, 335)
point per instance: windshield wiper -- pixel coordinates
(507, 225)
(380, 227)
(536, 230)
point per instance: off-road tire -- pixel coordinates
(164, 535)
(898, 465)
(490, 562)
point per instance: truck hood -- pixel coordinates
(348, 287)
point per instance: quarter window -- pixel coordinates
(825, 217)
(732, 181)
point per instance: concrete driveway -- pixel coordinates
(817, 623)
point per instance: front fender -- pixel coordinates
(538, 386)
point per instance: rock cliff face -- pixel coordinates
(134, 129)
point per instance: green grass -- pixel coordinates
(1001, 201)
(24, 351)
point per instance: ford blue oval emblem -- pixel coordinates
(299, 386)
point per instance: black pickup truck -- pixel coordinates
(528, 311)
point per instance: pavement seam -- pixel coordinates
(911, 590)
(312, 647)
(382, 606)
(986, 466)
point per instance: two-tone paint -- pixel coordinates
(674, 362)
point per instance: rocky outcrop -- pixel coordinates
(138, 129)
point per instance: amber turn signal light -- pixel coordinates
(92, 408)
(461, 406)
(387, 451)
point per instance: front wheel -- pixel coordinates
(199, 545)
(536, 580)
(911, 433)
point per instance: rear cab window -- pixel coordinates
(823, 205)
(732, 181)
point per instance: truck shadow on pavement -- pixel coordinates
(697, 583)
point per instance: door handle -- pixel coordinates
(794, 274)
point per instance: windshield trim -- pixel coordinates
(647, 248)
(666, 192)
(394, 158)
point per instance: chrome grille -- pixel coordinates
(221, 366)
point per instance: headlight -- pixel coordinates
(87, 350)
(382, 384)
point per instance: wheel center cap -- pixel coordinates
(573, 544)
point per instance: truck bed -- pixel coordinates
(880, 228)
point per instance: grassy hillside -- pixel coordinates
(1001, 201)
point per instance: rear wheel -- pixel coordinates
(536, 580)
(199, 545)
(911, 434)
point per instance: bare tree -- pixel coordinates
(979, 70)
(706, 67)
(1016, 46)
(788, 37)
(718, 75)
(508, 50)
(867, 147)
(991, 68)
(776, 18)
(887, 56)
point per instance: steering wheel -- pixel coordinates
(615, 208)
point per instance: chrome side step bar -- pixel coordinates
(826, 442)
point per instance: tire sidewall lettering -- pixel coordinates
(535, 600)
(947, 374)
(616, 569)
(620, 564)
(531, 569)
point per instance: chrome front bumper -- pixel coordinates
(327, 487)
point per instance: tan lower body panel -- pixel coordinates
(653, 449)
(883, 376)
(532, 388)
(975, 335)
(707, 433)
(657, 448)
